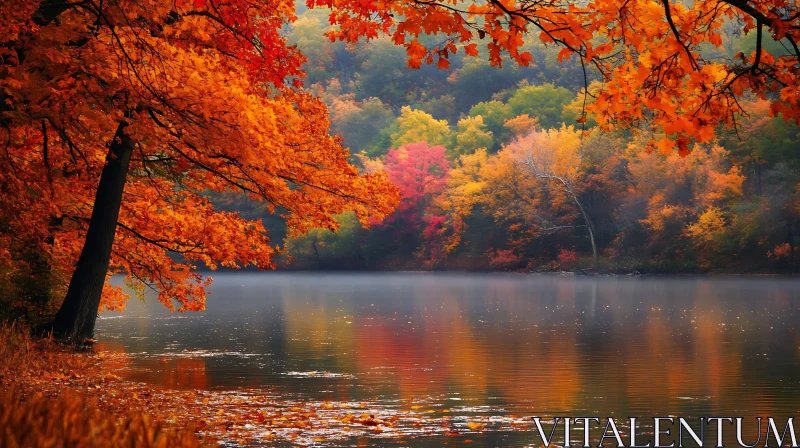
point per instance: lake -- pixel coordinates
(480, 345)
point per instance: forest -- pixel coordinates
(498, 170)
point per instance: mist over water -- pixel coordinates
(501, 344)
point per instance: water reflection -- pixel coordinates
(529, 345)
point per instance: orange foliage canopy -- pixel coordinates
(655, 57)
(211, 94)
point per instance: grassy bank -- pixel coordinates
(44, 400)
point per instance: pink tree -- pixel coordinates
(420, 173)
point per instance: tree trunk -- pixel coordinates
(594, 246)
(590, 226)
(76, 318)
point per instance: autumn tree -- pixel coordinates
(556, 157)
(500, 188)
(359, 123)
(458, 202)
(118, 116)
(494, 114)
(471, 135)
(415, 126)
(544, 102)
(682, 200)
(521, 125)
(420, 173)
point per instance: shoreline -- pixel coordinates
(577, 273)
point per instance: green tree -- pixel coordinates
(545, 102)
(417, 126)
(477, 81)
(471, 135)
(384, 74)
(326, 249)
(442, 107)
(494, 115)
(360, 123)
(307, 33)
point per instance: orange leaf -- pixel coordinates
(471, 49)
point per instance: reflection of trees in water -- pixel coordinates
(117, 361)
(442, 349)
(550, 345)
(317, 335)
(556, 346)
(184, 373)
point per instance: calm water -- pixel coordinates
(517, 344)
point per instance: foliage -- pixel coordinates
(647, 202)
(418, 126)
(383, 74)
(419, 172)
(647, 210)
(521, 125)
(210, 98)
(359, 123)
(494, 114)
(682, 197)
(543, 102)
(441, 107)
(326, 249)
(504, 259)
(307, 36)
(472, 135)
(477, 81)
(567, 258)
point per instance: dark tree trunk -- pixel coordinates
(76, 318)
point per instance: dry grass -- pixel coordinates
(23, 356)
(35, 414)
(70, 421)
